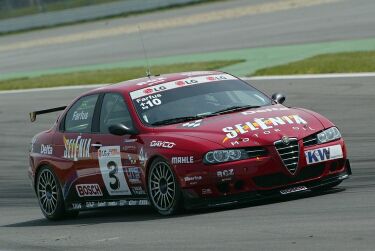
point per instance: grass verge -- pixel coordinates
(345, 62)
(107, 76)
(46, 7)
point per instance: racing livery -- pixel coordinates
(195, 139)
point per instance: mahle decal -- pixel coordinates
(183, 160)
(76, 149)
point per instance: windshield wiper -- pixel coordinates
(234, 109)
(176, 120)
(201, 116)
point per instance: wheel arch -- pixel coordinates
(39, 167)
(149, 163)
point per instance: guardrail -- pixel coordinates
(91, 12)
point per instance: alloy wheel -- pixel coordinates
(162, 186)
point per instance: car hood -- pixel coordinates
(253, 127)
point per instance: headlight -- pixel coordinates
(220, 156)
(328, 135)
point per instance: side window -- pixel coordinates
(79, 116)
(114, 111)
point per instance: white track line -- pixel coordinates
(284, 77)
(54, 88)
(313, 76)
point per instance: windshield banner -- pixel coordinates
(179, 83)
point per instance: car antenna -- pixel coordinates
(148, 67)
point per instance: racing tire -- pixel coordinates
(49, 194)
(163, 189)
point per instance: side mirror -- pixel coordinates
(121, 129)
(279, 98)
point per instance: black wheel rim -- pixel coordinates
(162, 186)
(47, 192)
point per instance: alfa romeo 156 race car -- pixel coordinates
(196, 139)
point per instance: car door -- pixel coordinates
(73, 142)
(118, 156)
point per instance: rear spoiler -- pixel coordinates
(33, 114)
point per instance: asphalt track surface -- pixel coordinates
(266, 23)
(342, 219)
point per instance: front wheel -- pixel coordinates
(163, 188)
(49, 194)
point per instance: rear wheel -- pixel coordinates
(163, 188)
(49, 194)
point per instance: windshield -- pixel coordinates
(195, 98)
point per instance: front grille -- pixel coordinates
(280, 179)
(289, 153)
(257, 151)
(310, 140)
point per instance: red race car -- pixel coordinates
(196, 139)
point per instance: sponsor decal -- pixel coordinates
(90, 204)
(143, 202)
(183, 160)
(152, 81)
(142, 157)
(46, 149)
(80, 115)
(78, 148)
(177, 84)
(193, 124)
(132, 160)
(88, 190)
(206, 191)
(225, 173)
(112, 170)
(138, 190)
(129, 148)
(130, 140)
(216, 77)
(323, 154)
(102, 204)
(33, 140)
(134, 202)
(261, 124)
(77, 205)
(239, 140)
(293, 190)
(134, 174)
(162, 144)
(112, 203)
(196, 73)
(192, 178)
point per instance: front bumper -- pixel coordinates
(191, 202)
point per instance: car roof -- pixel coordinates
(136, 84)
